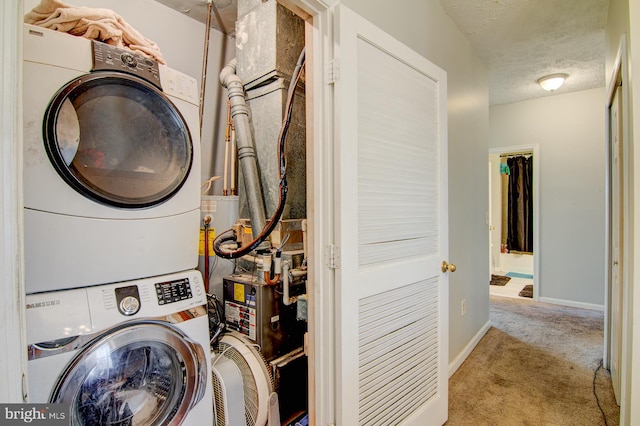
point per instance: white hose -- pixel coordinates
(285, 285)
(303, 224)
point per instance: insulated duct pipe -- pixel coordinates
(246, 150)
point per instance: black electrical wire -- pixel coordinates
(595, 375)
(215, 312)
(229, 234)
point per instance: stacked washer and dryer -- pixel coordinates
(117, 323)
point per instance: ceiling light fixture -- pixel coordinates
(552, 82)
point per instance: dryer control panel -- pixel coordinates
(173, 291)
(111, 58)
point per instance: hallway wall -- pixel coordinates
(570, 130)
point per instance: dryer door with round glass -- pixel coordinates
(141, 373)
(116, 139)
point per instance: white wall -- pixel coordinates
(181, 41)
(570, 130)
(512, 262)
(423, 26)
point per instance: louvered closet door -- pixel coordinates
(391, 230)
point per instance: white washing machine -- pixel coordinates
(111, 164)
(131, 353)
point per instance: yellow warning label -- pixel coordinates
(212, 236)
(238, 292)
(247, 230)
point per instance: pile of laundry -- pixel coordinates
(96, 24)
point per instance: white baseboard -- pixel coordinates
(571, 303)
(456, 363)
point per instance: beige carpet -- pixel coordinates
(535, 366)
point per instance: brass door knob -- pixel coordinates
(451, 267)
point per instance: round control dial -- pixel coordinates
(129, 305)
(129, 60)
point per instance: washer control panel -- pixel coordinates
(128, 300)
(111, 58)
(173, 291)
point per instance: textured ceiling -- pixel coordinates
(523, 40)
(519, 40)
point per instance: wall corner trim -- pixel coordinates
(462, 356)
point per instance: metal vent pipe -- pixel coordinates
(246, 149)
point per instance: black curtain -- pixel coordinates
(520, 204)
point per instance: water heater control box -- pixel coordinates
(255, 309)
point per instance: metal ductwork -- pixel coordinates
(269, 38)
(246, 150)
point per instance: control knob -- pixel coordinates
(129, 305)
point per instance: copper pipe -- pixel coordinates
(234, 160)
(268, 280)
(206, 221)
(227, 141)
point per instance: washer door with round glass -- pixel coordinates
(117, 139)
(142, 373)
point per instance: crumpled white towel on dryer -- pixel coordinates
(97, 24)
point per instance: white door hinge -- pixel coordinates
(332, 256)
(333, 71)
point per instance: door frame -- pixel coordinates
(535, 149)
(619, 71)
(13, 336)
(320, 340)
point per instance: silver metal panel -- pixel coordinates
(256, 310)
(269, 39)
(266, 105)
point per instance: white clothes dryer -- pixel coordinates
(131, 353)
(111, 164)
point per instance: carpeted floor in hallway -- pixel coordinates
(535, 366)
